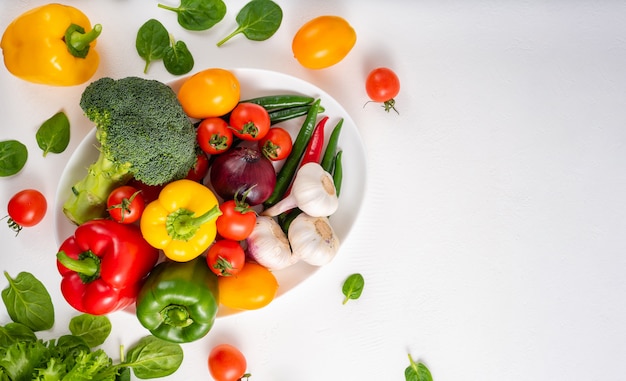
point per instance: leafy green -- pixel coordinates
(353, 287)
(54, 134)
(198, 14)
(13, 156)
(93, 329)
(417, 371)
(13, 332)
(20, 359)
(152, 357)
(28, 302)
(152, 42)
(178, 59)
(258, 20)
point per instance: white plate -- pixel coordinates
(254, 83)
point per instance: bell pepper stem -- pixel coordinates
(87, 265)
(176, 316)
(78, 41)
(182, 224)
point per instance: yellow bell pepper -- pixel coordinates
(51, 45)
(181, 222)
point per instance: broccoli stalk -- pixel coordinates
(143, 134)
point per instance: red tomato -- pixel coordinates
(214, 136)
(26, 208)
(226, 257)
(236, 221)
(125, 204)
(276, 144)
(227, 363)
(199, 169)
(250, 121)
(382, 85)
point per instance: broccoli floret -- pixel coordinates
(143, 133)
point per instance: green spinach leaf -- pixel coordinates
(93, 329)
(198, 14)
(152, 41)
(258, 20)
(353, 287)
(13, 156)
(417, 371)
(178, 59)
(152, 357)
(54, 134)
(14, 332)
(28, 302)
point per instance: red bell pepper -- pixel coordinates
(103, 266)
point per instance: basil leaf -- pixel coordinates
(198, 14)
(353, 287)
(178, 59)
(13, 156)
(417, 372)
(93, 329)
(258, 20)
(152, 41)
(28, 302)
(153, 357)
(54, 134)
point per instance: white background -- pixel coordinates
(492, 234)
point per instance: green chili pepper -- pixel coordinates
(328, 160)
(338, 172)
(281, 115)
(275, 102)
(179, 301)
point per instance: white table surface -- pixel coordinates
(492, 236)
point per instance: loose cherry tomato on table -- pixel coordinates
(254, 287)
(26, 208)
(250, 121)
(214, 136)
(227, 363)
(323, 42)
(199, 169)
(226, 257)
(383, 85)
(125, 204)
(237, 219)
(208, 93)
(277, 144)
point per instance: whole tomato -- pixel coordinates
(200, 168)
(26, 208)
(214, 136)
(323, 42)
(125, 204)
(250, 121)
(226, 257)
(209, 93)
(227, 363)
(277, 144)
(254, 287)
(236, 221)
(382, 85)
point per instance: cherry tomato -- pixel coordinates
(125, 204)
(277, 144)
(383, 85)
(250, 121)
(236, 221)
(253, 287)
(214, 136)
(208, 93)
(199, 169)
(323, 42)
(227, 363)
(26, 208)
(226, 257)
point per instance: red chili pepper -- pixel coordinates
(313, 152)
(103, 266)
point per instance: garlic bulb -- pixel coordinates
(313, 239)
(313, 191)
(268, 245)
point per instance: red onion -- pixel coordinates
(243, 169)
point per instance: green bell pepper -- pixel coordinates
(179, 300)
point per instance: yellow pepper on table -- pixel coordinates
(181, 221)
(52, 45)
